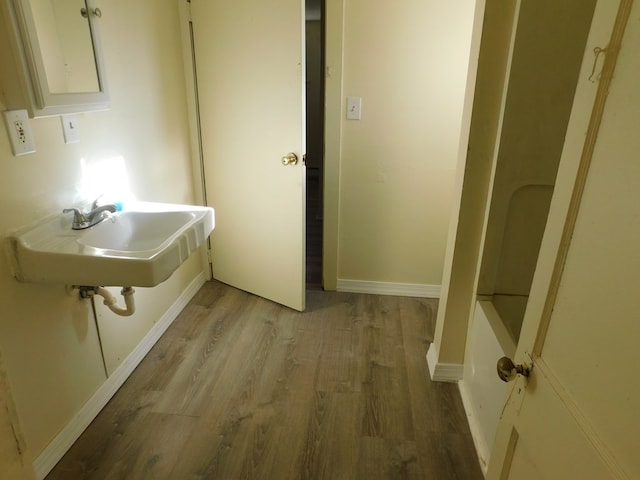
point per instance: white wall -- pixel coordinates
(48, 338)
(15, 460)
(408, 61)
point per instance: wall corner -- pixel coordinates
(440, 371)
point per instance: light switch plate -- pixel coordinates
(354, 108)
(70, 128)
(20, 133)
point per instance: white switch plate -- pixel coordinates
(70, 128)
(354, 108)
(20, 133)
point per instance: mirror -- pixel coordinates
(64, 36)
(59, 48)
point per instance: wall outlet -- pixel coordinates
(20, 133)
(70, 128)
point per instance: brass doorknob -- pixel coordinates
(507, 371)
(290, 159)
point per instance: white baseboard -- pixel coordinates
(443, 372)
(385, 288)
(482, 449)
(52, 454)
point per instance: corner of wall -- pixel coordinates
(458, 282)
(440, 371)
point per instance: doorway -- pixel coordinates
(315, 61)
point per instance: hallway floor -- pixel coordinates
(240, 387)
(314, 231)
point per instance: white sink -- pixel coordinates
(140, 246)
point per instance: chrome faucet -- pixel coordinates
(82, 220)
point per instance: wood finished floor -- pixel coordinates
(242, 388)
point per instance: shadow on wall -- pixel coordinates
(524, 226)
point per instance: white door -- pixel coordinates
(576, 416)
(250, 77)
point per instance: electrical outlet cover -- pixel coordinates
(354, 108)
(20, 133)
(70, 128)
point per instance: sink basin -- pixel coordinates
(141, 246)
(135, 231)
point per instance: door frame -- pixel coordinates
(333, 118)
(193, 116)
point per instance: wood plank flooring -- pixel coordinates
(242, 388)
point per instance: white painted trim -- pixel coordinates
(443, 372)
(385, 288)
(482, 449)
(52, 454)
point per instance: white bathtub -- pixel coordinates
(483, 393)
(514, 233)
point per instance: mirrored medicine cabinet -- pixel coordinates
(55, 55)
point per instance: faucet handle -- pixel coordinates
(76, 212)
(94, 205)
(79, 219)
